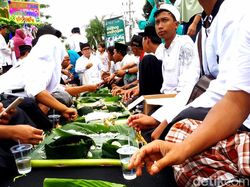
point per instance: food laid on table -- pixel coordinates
(93, 138)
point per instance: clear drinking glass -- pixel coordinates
(125, 153)
(54, 119)
(22, 157)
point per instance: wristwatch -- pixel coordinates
(126, 71)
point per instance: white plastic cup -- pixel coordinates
(22, 157)
(54, 119)
(125, 153)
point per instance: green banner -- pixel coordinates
(114, 31)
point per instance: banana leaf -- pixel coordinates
(98, 132)
(83, 110)
(56, 182)
(112, 99)
(69, 147)
(110, 147)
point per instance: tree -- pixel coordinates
(95, 32)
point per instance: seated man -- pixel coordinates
(38, 76)
(88, 66)
(150, 67)
(180, 67)
(130, 68)
(122, 60)
(216, 151)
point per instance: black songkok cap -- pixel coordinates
(149, 31)
(76, 30)
(136, 41)
(121, 47)
(83, 45)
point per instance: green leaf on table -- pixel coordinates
(69, 147)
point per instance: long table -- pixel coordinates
(108, 173)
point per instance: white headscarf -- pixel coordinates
(44, 62)
(40, 70)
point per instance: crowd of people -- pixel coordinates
(206, 141)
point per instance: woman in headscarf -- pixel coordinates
(18, 40)
(39, 74)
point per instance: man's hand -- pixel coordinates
(26, 134)
(70, 114)
(129, 94)
(89, 65)
(142, 121)
(156, 156)
(4, 119)
(191, 30)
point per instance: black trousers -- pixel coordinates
(32, 110)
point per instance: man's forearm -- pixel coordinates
(222, 121)
(5, 131)
(47, 99)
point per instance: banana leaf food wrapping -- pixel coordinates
(69, 147)
(109, 148)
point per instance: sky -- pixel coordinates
(77, 13)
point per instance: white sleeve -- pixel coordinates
(37, 78)
(238, 77)
(80, 66)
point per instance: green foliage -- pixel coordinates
(95, 32)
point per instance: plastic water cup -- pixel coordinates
(125, 153)
(54, 119)
(22, 157)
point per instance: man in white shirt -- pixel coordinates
(88, 66)
(38, 75)
(5, 51)
(215, 151)
(121, 59)
(150, 66)
(180, 67)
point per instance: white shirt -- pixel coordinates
(159, 52)
(223, 40)
(238, 77)
(5, 52)
(91, 75)
(39, 71)
(177, 60)
(186, 70)
(127, 59)
(75, 40)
